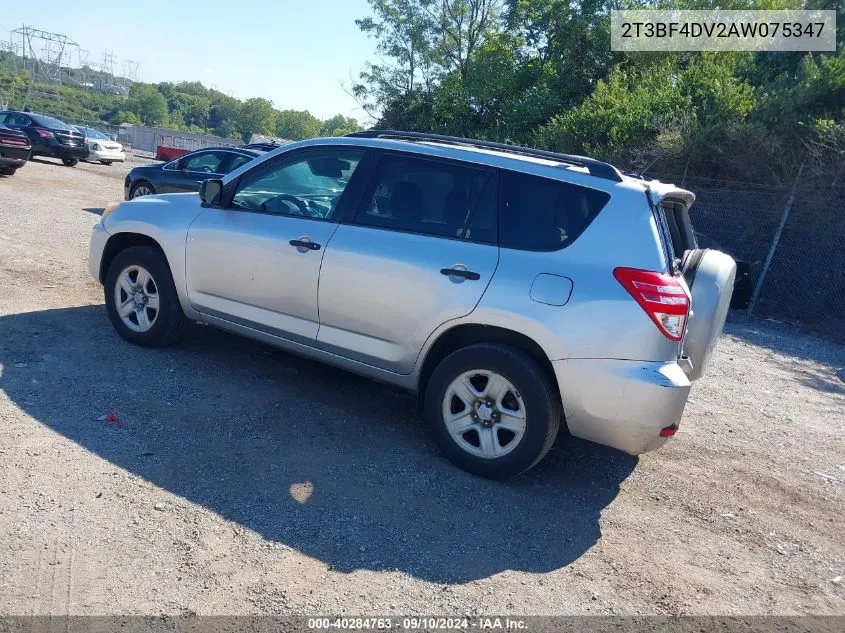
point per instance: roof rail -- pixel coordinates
(596, 168)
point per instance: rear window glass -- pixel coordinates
(50, 122)
(541, 214)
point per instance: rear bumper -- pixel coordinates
(622, 403)
(13, 156)
(57, 150)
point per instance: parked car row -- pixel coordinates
(515, 291)
(47, 136)
(187, 172)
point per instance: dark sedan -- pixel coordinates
(14, 150)
(187, 172)
(48, 136)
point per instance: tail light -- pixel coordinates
(662, 297)
(8, 140)
(44, 133)
(85, 140)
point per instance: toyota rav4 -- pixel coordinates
(514, 290)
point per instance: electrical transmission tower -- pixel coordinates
(130, 72)
(11, 47)
(107, 64)
(44, 54)
(83, 71)
(7, 96)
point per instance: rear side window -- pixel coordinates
(50, 122)
(431, 197)
(208, 163)
(541, 214)
(235, 161)
(14, 118)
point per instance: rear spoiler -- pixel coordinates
(661, 192)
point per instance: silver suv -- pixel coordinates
(512, 289)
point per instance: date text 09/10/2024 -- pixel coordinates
(418, 623)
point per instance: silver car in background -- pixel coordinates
(514, 290)
(101, 148)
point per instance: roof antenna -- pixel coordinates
(642, 173)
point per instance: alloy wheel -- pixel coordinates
(484, 413)
(141, 190)
(136, 298)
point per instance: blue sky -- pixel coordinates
(295, 53)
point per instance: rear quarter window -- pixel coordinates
(50, 122)
(542, 214)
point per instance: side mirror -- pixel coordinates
(211, 191)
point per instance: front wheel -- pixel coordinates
(141, 298)
(70, 162)
(492, 410)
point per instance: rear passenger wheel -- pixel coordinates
(106, 162)
(70, 162)
(492, 410)
(8, 171)
(141, 298)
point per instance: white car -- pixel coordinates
(101, 147)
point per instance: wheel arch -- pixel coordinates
(466, 334)
(120, 242)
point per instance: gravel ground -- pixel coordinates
(240, 479)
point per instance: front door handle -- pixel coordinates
(303, 245)
(460, 272)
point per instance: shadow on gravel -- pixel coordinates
(94, 210)
(333, 465)
(791, 344)
(55, 162)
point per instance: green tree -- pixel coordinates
(461, 27)
(256, 116)
(124, 116)
(223, 114)
(404, 30)
(339, 125)
(297, 125)
(193, 109)
(149, 104)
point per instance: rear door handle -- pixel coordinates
(460, 272)
(302, 244)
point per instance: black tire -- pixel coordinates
(70, 162)
(135, 186)
(542, 406)
(106, 162)
(8, 171)
(170, 321)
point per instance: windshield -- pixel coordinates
(92, 133)
(49, 122)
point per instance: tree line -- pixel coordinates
(541, 73)
(188, 106)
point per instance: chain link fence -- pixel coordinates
(804, 281)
